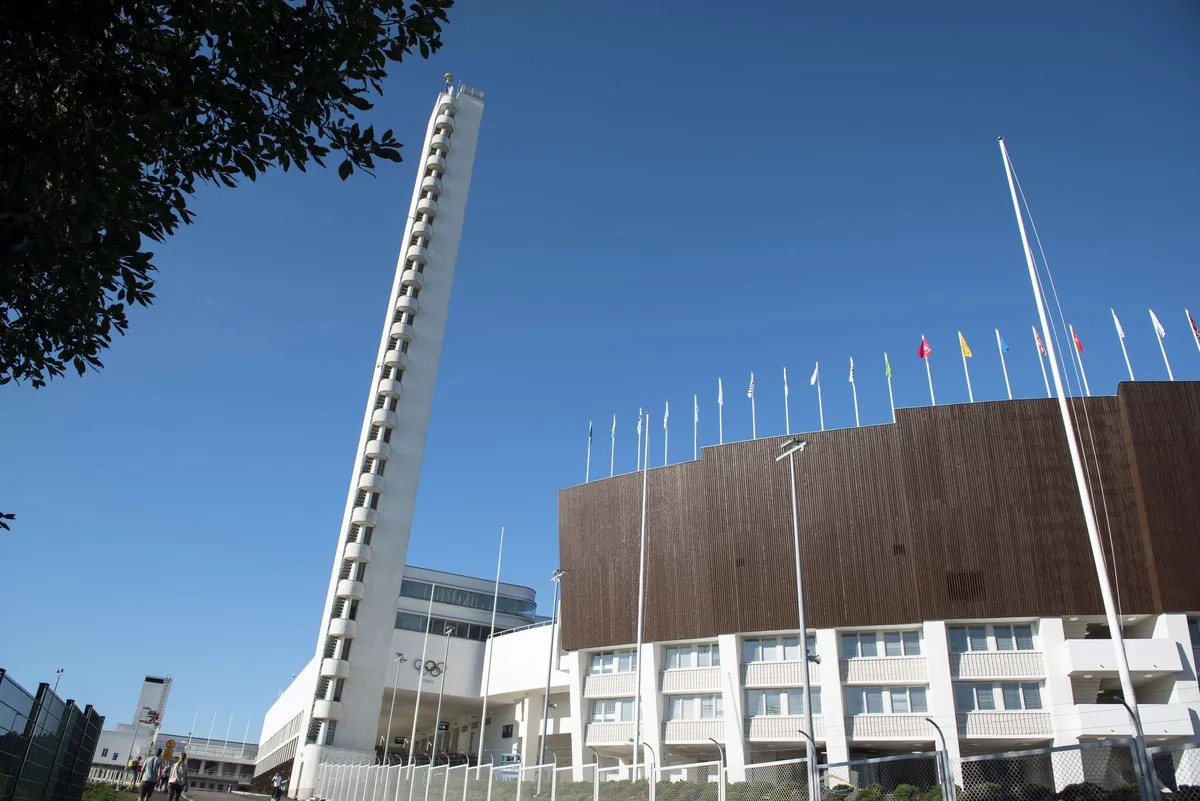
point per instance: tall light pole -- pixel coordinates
(721, 778)
(399, 659)
(788, 449)
(57, 677)
(556, 579)
(437, 723)
(491, 647)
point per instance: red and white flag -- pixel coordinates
(924, 350)
(1038, 337)
(1078, 344)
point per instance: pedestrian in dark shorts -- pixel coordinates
(177, 780)
(151, 773)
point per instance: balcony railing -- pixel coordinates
(777, 674)
(997, 665)
(888, 727)
(1005, 724)
(609, 733)
(1099, 657)
(884, 669)
(782, 728)
(610, 685)
(693, 731)
(692, 680)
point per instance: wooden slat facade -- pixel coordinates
(965, 511)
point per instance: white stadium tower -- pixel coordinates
(354, 643)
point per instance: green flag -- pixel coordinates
(887, 367)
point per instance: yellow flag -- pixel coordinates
(962, 343)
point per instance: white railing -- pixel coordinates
(882, 669)
(609, 733)
(782, 727)
(777, 674)
(997, 665)
(886, 727)
(1004, 724)
(693, 731)
(692, 680)
(602, 685)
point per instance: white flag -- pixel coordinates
(851, 369)
(639, 423)
(695, 409)
(785, 392)
(614, 428)
(816, 374)
(1158, 329)
(750, 392)
(666, 414)
(720, 394)
(1120, 330)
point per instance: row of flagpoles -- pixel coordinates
(923, 352)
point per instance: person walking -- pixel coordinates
(276, 787)
(178, 778)
(150, 775)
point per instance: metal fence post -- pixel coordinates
(596, 782)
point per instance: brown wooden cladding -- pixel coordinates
(964, 511)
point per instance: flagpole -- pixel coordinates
(820, 404)
(1085, 498)
(966, 372)
(1038, 342)
(929, 374)
(1158, 332)
(1121, 337)
(854, 388)
(787, 418)
(637, 692)
(666, 416)
(1003, 366)
(1192, 324)
(412, 740)
(587, 470)
(487, 676)
(753, 417)
(695, 423)
(639, 456)
(720, 413)
(1079, 357)
(891, 397)
(612, 457)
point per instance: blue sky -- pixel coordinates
(663, 194)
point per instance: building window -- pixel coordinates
(506, 731)
(680, 657)
(468, 598)
(1022, 696)
(104, 753)
(972, 639)
(614, 662)
(895, 643)
(115, 755)
(612, 710)
(694, 707)
(772, 703)
(908, 700)
(864, 700)
(776, 649)
(974, 697)
(1194, 631)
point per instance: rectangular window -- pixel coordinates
(1004, 638)
(900, 699)
(771, 650)
(795, 701)
(672, 658)
(104, 753)
(685, 658)
(892, 645)
(626, 662)
(1024, 637)
(912, 643)
(977, 636)
(972, 696)
(1032, 695)
(859, 645)
(752, 651)
(614, 662)
(1194, 631)
(694, 707)
(1011, 693)
(612, 710)
(864, 700)
(958, 640)
(791, 649)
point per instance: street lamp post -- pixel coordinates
(437, 723)
(556, 579)
(789, 447)
(721, 778)
(399, 659)
(947, 774)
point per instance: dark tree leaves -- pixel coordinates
(112, 111)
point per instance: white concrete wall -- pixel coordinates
(519, 661)
(462, 671)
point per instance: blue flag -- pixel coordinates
(1003, 345)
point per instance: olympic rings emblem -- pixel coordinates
(431, 667)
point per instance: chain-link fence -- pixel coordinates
(1177, 768)
(912, 777)
(698, 781)
(784, 780)
(46, 744)
(625, 783)
(1092, 771)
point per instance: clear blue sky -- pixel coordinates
(663, 194)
